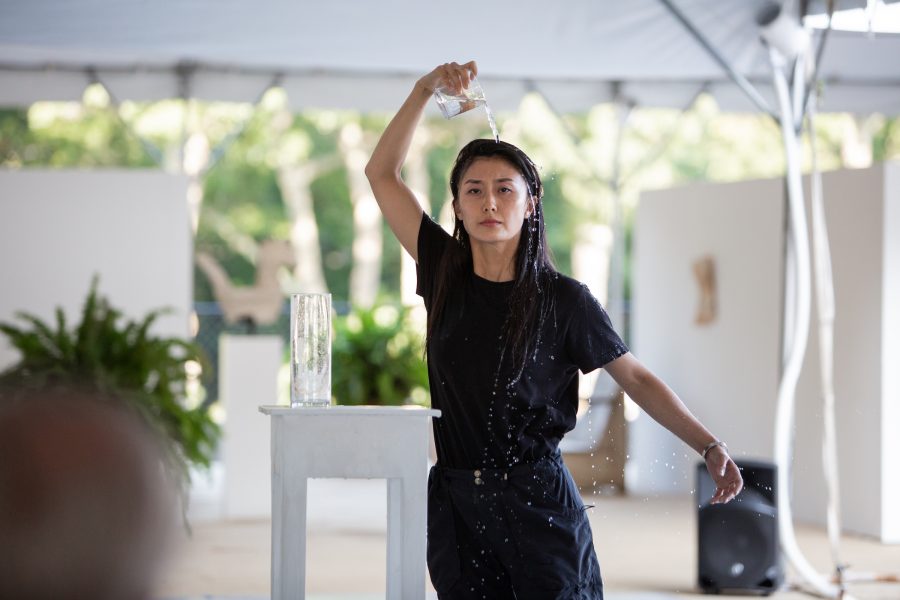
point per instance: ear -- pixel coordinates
(456, 211)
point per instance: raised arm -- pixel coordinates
(660, 402)
(396, 200)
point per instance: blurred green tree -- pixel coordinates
(243, 201)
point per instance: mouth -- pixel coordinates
(489, 222)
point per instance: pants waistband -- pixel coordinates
(481, 476)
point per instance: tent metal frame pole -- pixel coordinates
(661, 147)
(532, 86)
(814, 77)
(616, 295)
(624, 108)
(184, 72)
(667, 140)
(152, 150)
(615, 183)
(232, 136)
(738, 79)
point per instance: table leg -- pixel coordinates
(288, 531)
(395, 538)
(407, 507)
(415, 503)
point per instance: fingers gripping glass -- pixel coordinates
(452, 104)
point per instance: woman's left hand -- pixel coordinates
(725, 474)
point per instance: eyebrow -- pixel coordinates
(503, 179)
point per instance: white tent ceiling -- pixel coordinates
(364, 54)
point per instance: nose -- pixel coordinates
(489, 205)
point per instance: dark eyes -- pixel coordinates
(503, 189)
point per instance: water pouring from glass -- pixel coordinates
(456, 94)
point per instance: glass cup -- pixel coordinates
(454, 104)
(310, 350)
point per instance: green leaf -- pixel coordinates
(365, 370)
(120, 358)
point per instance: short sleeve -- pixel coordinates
(431, 244)
(591, 341)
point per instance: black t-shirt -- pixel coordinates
(489, 416)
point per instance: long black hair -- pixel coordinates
(530, 301)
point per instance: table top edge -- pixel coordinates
(369, 411)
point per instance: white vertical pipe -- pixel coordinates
(826, 311)
(784, 418)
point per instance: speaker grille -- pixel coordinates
(738, 541)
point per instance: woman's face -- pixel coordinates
(493, 201)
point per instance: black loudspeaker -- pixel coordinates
(737, 543)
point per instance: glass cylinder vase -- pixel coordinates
(310, 350)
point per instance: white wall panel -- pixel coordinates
(58, 228)
(890, 359)
(725, 371)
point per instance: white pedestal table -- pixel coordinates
(364, 442)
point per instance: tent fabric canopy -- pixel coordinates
(365, 55)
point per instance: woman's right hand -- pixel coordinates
(452, 77)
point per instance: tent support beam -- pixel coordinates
(184, 72)
(658, 150)
(532, 86)
(667, 139)
(216, 154)
(738, 79)
(616, 182)
(152, 150)
(814, 77)
(616, 294)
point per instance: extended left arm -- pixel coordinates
(656, 398)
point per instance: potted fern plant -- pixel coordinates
(379, 359)
(120, 359)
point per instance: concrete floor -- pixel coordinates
(646, 547)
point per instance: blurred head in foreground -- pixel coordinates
(85, 508)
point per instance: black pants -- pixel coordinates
(517, 534)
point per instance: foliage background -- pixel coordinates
(243, 204)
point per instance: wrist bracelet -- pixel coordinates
(712, 445)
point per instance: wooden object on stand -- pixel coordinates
(604, 467)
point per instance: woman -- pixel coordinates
(506, 337)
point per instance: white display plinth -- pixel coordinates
(248, 368)
(354, 442)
